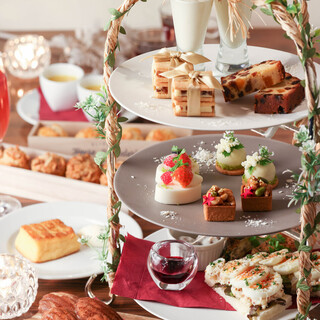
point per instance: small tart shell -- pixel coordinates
(237, 172)
(250, 204)
(219, 213)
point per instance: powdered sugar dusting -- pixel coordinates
(257, 223)
(169, 214)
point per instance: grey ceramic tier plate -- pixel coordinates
(135, 184)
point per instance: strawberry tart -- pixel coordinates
(178, 180)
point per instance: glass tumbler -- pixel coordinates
(18, 286)
(172, 264)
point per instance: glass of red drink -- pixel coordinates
(172, 264)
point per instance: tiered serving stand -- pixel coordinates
(131, 86)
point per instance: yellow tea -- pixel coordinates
(93, 87)
(62, 78)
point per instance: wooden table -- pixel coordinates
(17, 134)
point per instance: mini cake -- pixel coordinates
(219, 204)
(230, 154)
(54, 130)
(256, 195)
(131, 133)
(178, 180)
(49, 163)
(48, 240)
(281, 98)
(261, 166)
(181, 101)
(82, 167)
(161, 134)
(89, 132)
(256, 77)
(14, 157)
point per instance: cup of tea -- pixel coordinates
(172, 264)
(58, 83)
(90, 84)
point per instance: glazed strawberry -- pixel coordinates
(168, 161)
(166, 177)
(185, 159)
(183, 175)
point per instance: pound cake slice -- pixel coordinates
(256, 77)
(281, 98)
(179, 97)
(48, 240)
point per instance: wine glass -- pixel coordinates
(7, 203)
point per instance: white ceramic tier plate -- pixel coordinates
(135, 184)
(28, 108)
(74, 214)
(168, 312)
(131, 86)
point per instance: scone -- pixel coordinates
(45, 241)
(160, 135)
(219, 204)
(14, 157)
(82, 167)
(54, 130)
(89, 132)
(131, 133)
(49, 163)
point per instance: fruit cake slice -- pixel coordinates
(256, 77)
(281, 98)
(179, 97)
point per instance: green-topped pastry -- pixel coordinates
(230, 154)
(261, 166)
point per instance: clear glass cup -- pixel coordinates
(233, 52)
(18, 286)
(8, 204)
(172, 264)
(190, 19)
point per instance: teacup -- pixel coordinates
(58, 83)
(89, 85)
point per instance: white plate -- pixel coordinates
(237, 115)
(28, 108)
(74, 214)
(168, 312)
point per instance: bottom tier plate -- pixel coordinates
(135, 184)
(167, 312)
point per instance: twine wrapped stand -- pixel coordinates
(308, 211)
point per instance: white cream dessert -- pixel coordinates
(230, 155)
(91, 234)
(178, 180)
(261, 166)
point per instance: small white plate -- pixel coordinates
(167, 312)
(74, 214)
(28, 108)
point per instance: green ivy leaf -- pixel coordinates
(292, 9)
(122, 30)
(266, 11)
(304, 248)
(122, 119)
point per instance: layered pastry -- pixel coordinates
(89, 132)
(14, 157)
(230, 154)
(49, 163)
(252, 288)
(131, 133)
(256, 77)
(184, 106)
(82, 167)
(161, 84)
(219, 204)
(261, 166)
(177, 179)
(48, 240)
(161, 134)
(54, 130)
(281, 98)
(256, 195)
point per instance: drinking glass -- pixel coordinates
(190, 19)
(7, 204)
(18, 286)
(233, 52)
(172, 264)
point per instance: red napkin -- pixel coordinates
(134, 281)
(45, 112)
